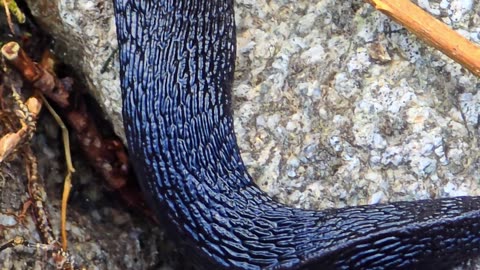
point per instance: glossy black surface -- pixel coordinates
(177, 62)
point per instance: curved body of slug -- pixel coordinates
(177, 62)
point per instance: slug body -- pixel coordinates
(177, 61)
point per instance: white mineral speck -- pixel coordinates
(7, 220)
(459, 8)
(314, 55)
(426, 5)
(360, 61)
(378, 141)
(452, 190)
(376, 197)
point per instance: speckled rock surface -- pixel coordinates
(334, 103)
(353, 111)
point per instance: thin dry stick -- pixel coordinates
(67, 184)
(37, 192)
(432, 31)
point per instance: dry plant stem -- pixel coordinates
(17, 241)
(18, 58)
(13, 8)
(432, 31)
(37, 194)
(40, 78)
(67, 184)
(9, 18)
(63, 260)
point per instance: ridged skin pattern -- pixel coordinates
(177, 62)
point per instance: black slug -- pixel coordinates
(177, 61)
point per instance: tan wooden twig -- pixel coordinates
(67, 184)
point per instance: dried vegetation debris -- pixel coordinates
(102, 234)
